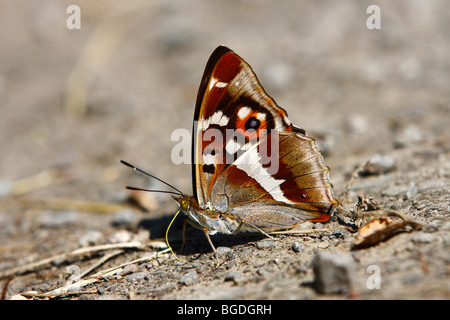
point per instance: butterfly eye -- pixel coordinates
(185, 204)
(252, 123)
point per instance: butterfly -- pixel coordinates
(252, 169)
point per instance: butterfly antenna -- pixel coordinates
(151, 190)
(150, 175)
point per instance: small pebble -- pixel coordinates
(265, 244)
(144, 235)
(338, 234)
(119, 236)
(189, 278)
(408, 137)
(164, 289)
(264, 270)
(412, 191)
(357, 124)
(298, 247)
(234, 276)
(90, 238)
(305, 226)
(138, 276)
(123, 218)
(318, 225)
(58, 219)
(323, 245)
(275, 261)
(301, 270)
(262, 254)
(225, 253)
(334, 272)
(422, 237)
(129, 269)
(412, 279)
(246, 253)
(379, 164)
(395, 191)
(230, 264)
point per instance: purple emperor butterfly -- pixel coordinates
(253, 170)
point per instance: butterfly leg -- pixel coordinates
(254, 227)
(187, 221)
(209, 240)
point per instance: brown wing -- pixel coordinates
(228, 85)
(248, 158)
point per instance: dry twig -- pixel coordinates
(61, 258)
(101, 275)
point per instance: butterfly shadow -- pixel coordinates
(195, 239)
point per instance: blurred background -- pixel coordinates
(75, 102)
(81, 100)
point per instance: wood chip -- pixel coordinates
(381, 229)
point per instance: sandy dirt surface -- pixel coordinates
(75, 102)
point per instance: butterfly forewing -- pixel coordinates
(228, 85)
(249, 159)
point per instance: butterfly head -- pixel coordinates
(184, 201)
